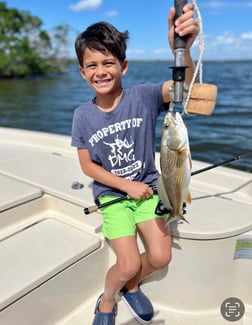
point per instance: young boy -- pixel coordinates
(115, 137)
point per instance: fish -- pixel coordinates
(175, 165)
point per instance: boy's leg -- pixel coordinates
(157, 241)
(157, 255)
(127, 265)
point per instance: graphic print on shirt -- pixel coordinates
(122, 154)
(121, 159)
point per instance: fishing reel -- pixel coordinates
(161, 209)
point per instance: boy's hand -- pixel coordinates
(184, 25)
(138, 190)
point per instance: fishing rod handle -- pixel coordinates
(91, 209)
(179, 41)
(99, 205)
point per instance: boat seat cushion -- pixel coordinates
(38, 252)
(14, 192)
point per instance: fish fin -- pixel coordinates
(184, 219)
(171, 218)
(182, 149)
(188, 198)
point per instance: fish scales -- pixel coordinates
(175, 164)
(175, 178)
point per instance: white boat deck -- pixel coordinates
(54, 258)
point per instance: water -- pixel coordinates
(47, 104)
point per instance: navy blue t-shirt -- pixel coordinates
(121, 141)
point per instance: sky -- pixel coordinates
(227, 25)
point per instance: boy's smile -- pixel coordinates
(103, 82)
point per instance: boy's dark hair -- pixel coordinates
(102, 37)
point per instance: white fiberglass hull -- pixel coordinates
(54, 258)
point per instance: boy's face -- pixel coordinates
(102, 71)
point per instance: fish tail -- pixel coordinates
(184, 219)
(171, 217)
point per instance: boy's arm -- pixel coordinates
(134, 189)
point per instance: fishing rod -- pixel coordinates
(219, 164)
(99, 205)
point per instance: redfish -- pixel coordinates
(175, 165)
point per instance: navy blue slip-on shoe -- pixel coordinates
(138, 304)
(104, 318)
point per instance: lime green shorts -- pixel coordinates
(120, 219)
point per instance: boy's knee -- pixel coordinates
(160, 260)
(129, 269)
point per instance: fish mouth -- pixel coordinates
(177, 134)
(172, 119)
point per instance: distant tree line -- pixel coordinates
(25, 48)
